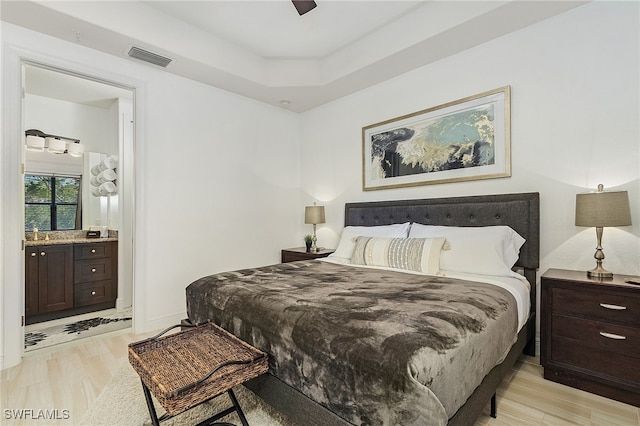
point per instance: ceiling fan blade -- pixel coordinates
(303, 6)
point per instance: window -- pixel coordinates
(51, 203)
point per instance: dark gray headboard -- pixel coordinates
(519, 211)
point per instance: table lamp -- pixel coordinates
(314, 215)
(601, 209)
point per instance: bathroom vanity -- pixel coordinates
(69, 277)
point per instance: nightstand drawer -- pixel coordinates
(595, 361)
(598, 335)
(600, 306)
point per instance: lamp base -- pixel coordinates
(599, 273)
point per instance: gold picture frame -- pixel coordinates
(462, 140)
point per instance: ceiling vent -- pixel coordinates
(152, 58)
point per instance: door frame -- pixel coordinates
(12, 192)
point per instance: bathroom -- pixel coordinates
(75, 274)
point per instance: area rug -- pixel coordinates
(122, 403)
(64, 333)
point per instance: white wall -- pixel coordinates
(216, 180)
(574, 121)
(221, 187)
(94, 126)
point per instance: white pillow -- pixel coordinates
(414, 254)
(487, 250)
(347, 239)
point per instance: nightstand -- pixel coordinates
(301, 253)
(590, 333)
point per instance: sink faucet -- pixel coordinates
(35, 234)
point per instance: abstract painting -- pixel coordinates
(466, 139)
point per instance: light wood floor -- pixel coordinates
(69, 377)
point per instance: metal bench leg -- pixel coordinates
(152, 409)
(494, 410)
(243, 419)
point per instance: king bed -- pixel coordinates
(415, 319)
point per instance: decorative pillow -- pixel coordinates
(487, 250)
(414, 254)
(347, 239)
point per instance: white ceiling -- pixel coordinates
(273, 29)
(264, 50)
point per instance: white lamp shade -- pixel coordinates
(57, 146)
(35, 143)
(75, 149)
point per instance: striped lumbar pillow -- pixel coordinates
(414, 254)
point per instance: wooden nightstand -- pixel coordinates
(590, 333)
(300, 253)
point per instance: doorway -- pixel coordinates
(98, 116)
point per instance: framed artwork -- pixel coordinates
(467, 139)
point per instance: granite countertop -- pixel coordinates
(43, 242)
(65, 237)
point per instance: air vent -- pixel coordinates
(152, 58)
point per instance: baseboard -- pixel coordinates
(160, 323)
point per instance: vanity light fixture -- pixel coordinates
(39, 141)
(314, 215)
(600, 209)
(35, 143)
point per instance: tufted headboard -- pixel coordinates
(519, 211)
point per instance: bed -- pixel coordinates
(320, 375)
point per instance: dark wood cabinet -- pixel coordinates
(95, 274)
(49, 279)
(301, 253)
(69, 279)
(590, 333)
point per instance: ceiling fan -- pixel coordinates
(303, 6)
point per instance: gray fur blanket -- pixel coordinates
(375, 347)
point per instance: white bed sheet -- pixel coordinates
(517, 285)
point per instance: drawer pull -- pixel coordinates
(33, 254)
(93, 293)
(42, 253)
(93, 269)
(612, 336)
(613, 307)
(93, 250)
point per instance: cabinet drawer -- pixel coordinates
(93, 293)
(92, 270)
(599, 335)
(596, 362)
(598, 306)
(91, 251)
